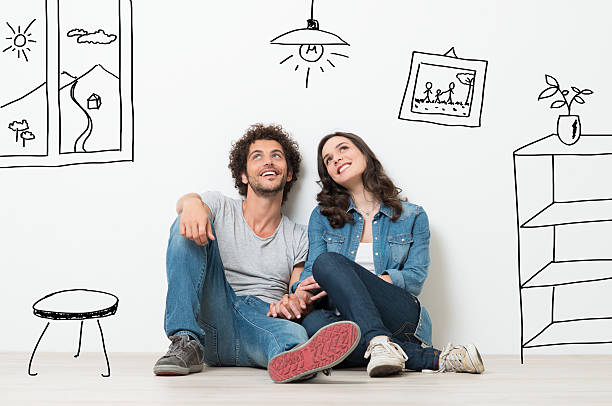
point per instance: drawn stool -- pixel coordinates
(75, 304)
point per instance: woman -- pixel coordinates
(368, 259)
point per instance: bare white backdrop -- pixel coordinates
(205, 70)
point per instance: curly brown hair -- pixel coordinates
(240, 150)
(334, 199)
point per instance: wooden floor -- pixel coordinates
(64, 380)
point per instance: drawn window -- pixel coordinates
(94, 123)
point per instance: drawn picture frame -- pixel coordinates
(444, 89)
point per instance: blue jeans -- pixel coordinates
(377, 307)
(232, 330)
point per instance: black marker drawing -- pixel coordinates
(96, 37)
(75, 304)
(23, 80)
(311, 44)
(444, 89)
(544, 217)
(568, 126)
(20, 40)
(18, 126)
(90, 65)
(26, 136)
(94, 97)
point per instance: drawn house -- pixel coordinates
(94, 102)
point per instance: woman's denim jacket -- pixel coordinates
(401, 249)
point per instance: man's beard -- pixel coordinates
(262, 191)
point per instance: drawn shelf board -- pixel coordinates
(444, 89)
(569, 272)
(92, 61)
(583, 211)
(572, 332)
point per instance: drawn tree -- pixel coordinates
(468, 80)
(18, 126)
(26, 136)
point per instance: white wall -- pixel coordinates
(204, 71)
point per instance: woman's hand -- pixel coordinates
(310, 284)
(386, 278)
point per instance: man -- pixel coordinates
(222, 276)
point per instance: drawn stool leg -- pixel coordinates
(104, 348)
(34, 352)
(80, 335)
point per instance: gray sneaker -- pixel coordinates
(183, 357)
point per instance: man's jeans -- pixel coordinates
(232, 330)
(377, 307)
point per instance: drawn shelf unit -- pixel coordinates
(67, 82)
(541, 210)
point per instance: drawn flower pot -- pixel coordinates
(568, 129)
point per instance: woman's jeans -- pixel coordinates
(378, 307)
(232, 330)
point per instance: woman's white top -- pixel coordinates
(365, 257)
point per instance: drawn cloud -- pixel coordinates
(77, 32)
(96, 37)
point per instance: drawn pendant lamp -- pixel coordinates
(311, 43)
(568, 126)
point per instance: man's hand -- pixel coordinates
(292, 306)
(309, 284)
(386, 278)
(195, 224)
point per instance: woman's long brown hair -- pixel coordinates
(334, 198)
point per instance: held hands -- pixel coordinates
(298, 304)
(310, 284)
(195, 224)
(292, 306)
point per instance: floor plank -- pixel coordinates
(65, 380)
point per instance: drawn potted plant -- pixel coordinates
(18, 126)
(568, 126)
(26, 136)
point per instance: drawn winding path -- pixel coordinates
(79, 144)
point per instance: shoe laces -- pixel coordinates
(384, 348)
(451, 358)
(179, 347)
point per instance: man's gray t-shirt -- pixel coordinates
(253, 265)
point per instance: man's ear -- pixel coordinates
(245, 180)
(290, 175)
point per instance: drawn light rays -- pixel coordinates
(311, 42)
(20, 41)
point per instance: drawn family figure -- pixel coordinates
(438, 94)
(428, 91)
(450, 92)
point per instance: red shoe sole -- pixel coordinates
(328, 347)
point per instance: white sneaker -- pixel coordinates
(461, 358)
(386, 357)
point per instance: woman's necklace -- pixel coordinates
(366, 213)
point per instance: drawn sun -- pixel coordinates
(20, 41)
